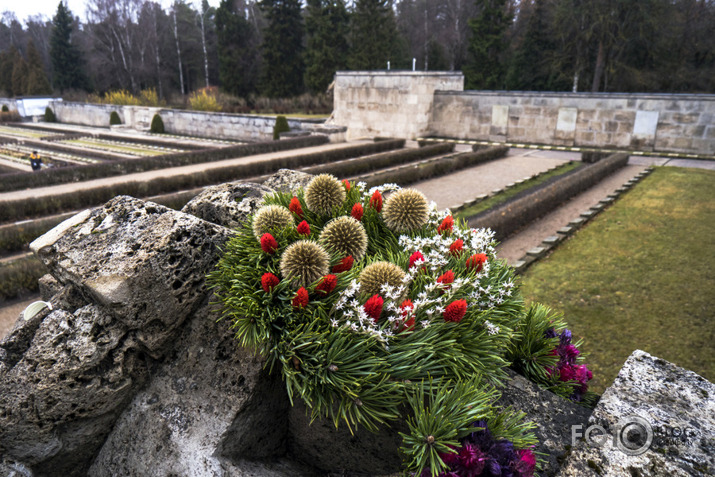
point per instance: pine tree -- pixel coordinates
(67, 64)
(37, 82)
(485, 67)
(6, 66)
(237, 51)
(19, 74)
(374, 36)
(326, 25)
(529, 68)
(282, 48)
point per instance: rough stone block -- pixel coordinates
(577, 222)
(227, 204)
(552, 240)
(286, 180)
(553, 416)
(537, 251)
(656, 419)
(567, 230)
(141, 262)
(588, 214)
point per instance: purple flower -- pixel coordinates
(565, 337)
(550, 333)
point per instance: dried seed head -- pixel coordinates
(305, 261)
(269, 218)
(405, 210)
(324, 193)
(374, 276)
(345, 236)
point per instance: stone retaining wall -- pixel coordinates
(667, 122)
(389, 103)
(414, 104)
(189, 123)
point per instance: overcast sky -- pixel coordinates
(25, 8)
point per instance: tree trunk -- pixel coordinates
(178, 53)
(203, 45)
(598, 71)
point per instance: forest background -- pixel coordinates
(246, 50)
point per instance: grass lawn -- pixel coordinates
(640, 276)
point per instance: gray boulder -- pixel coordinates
(553, 415)
(227, 204)
(655, 420)
(143, 263)
(287, 180)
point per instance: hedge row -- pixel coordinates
(380, 161)
(16, 237)
(19, 277)
(511, 216)
(72, 150)
(83, 198)
(46, 177)
(438, 167)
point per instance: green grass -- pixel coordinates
(134, 150)
(640, 276)
(503, 196)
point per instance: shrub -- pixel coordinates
(19, 277)
(114, 119)
(157, 125)
(281, 126)
(148, 97)
(120, 98)
(5, 109)
(50, 115)
(202, 100)
(9, 116)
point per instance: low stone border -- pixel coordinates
(547, 147)
(550, 243)
(483, 197)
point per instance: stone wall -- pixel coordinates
(387, 103)
(649, 122)
(190, 123)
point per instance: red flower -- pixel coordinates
(376, 201)
(344, 265)
(373, 307)
(303, 228)
(300, 300)
(357, 212)
(477, 261)
(268, 281)
(446, 278)
(295, 207)
(455, 311)
(456, 247)
(446, 225)
(406, 309)
(327, 284)
(346, 183)
(268, 244)
(414, 257)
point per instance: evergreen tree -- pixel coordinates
(282, 48)
(326, 24)
(37, 82)
(238, 56)
(374, 37)
(485, 68)
(67, 64)
(529, 67)
(6, 66)
(19, 74)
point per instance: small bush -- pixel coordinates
(202, 100)
(148, 97)
(114, 119)
(50, 115)
(9, 116)
(157, 125)
(281, 126)
(5, 109)
(19, 277)
(120, 98)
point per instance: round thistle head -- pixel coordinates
(270, 218)
(324, 193)
(405, 210)
(305, 262)
(346, 236)
(374, 276)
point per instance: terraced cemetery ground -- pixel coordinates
(640, 276)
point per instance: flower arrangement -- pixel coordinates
(368, 301)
